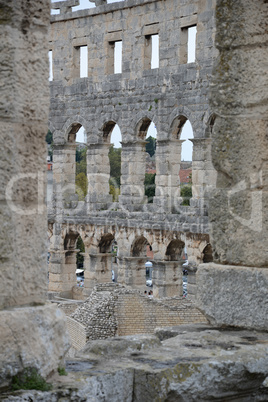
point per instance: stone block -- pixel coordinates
(26, 335)
(233, 295)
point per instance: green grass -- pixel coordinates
(29, 378)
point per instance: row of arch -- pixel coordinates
(174, 249)
(167, 164)
(137, 130)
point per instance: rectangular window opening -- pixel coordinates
(118, 57)
(83, 61)
(191, 44)
(50, 66)
(155, 51)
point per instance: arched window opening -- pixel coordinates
(175, 250)
(142, 248)
(113, 133)
(70, 241)
(210, 126)
(105, 244)
(80, 262)
(139, 247)
(208, 254)
(150, 168)
(185, 133)
(77, 135)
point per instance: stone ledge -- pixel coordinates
(233, 295)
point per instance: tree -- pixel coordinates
(150, 146)
(115, 166)
(80, 258)
(186, 193)
(81, 185)
(149, 184)
(49, 137)
(81, 154)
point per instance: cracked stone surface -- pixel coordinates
(192, 363)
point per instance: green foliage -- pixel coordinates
(81, 185)
(150, 108)
(115, 166)
(186, 194)
(49, 137)
(149, 184)
(79, 257)
(150, 146)
(29, 378)
(156, 100)
(62, 371)
(114, 191)
(81, 154)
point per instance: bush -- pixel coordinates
(29, 378)
(186, 194)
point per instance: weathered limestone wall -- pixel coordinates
(25, 329)
(238, 206)
(168, 96)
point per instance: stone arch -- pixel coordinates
(107, 129)
(209, 125)
(174, 250)
(105, 243)
(180, 111)
(70, 240)
(142, 128)
(71, 126)
(177, 126)
(140, 119)
(207, 253)
(139, 247)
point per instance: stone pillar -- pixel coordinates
(234, 289)
(62, 268)
(132, 272)
(87, 284)
(64, 166)
(98, 173)
(100, 270)
(203, 172)
(132, 175)
(167, 181)
(167, 278)
(31, 333)
(191, 282)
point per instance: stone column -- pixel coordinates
(203, 172)
(32, 334)
(132, 272)
(98, 173)
(100, 270)
(132, 175)
(234, 289)
(191, 282)
(62, 268)
(64, 166)
(167, 181)
(167, 278)
(87, 284)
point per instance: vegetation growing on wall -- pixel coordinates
(115, 172)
